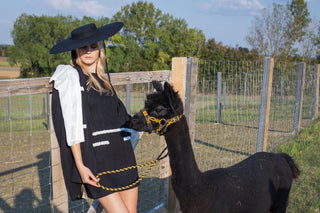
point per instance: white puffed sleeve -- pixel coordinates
(66, 81)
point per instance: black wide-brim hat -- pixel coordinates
(85, 35)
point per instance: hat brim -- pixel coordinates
(103, 33)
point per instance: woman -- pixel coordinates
(90, 122)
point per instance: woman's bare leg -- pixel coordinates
(121, 202)
(113, 203)
(130, 198)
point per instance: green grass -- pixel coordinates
(305, 150)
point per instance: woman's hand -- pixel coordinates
(85, 173)
(87, 176)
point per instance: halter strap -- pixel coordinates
(163, 123)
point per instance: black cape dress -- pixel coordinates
(105, 147)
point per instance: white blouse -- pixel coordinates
(66, 81)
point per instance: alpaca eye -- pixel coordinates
(160, 110)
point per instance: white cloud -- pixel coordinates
(92, 8)
(6, 22)
(230, 7)
(60, 4)
(87, 7)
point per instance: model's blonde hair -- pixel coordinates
(101, 70)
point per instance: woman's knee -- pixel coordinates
(130, 198)
(113, 203)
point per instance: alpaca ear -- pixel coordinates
(157, 85)
(170, 94)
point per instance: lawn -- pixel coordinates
(305, 150)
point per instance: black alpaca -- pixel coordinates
(260, 183)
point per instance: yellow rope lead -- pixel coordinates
(150, 164)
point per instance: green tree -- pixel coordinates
(158, 36)
(140, 20)
(148, 40)
(300, 19)
(213, 51)
(5, 50)
(276, 31)
(34, 36)
(269, 32)
(176, 39)
(307, 45)
(218, 52)
(125, 57)
(316, 43)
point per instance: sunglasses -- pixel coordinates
(93, 46)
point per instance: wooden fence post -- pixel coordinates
(265, 104)
(299, 97)
(315, 102)
(184, 80)
(59, 191)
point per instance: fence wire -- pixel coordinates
(224, 139)
(25, 174)
(25, 158)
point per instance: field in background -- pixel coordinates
(7, 72)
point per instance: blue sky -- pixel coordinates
(227, 21)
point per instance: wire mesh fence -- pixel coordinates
(25, 174)
(25, 158)
(226, 129)
(222, 141)
(227, 121)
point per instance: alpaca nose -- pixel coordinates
(134, 120)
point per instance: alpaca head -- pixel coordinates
(163, 105)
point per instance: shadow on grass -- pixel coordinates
(245, 126)
(151, 192)
(221, 148)
(27, 200)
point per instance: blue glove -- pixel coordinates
(134, 136)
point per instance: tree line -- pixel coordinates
(148, 41)
(286, 32)
(5, 50)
